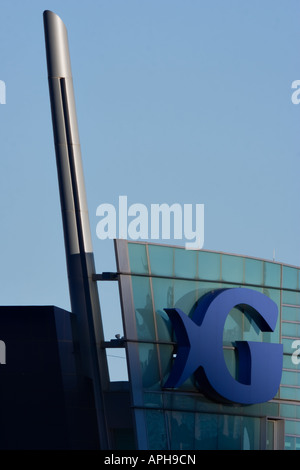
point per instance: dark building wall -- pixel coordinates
(119, 416)
(44, 403)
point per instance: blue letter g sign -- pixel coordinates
(200, 348)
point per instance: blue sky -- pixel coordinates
(177, 102)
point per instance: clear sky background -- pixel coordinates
(185, 101)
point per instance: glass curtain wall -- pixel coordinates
(155, 277)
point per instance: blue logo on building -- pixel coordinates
(200, 348)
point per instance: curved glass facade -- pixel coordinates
(155, 277)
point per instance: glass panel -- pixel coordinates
(289, 443)
(153, 399)
(231, 361)
(189, 385)
(186, 263)
(182, 430)
(163, 297)
(290, 329)
(289, 277)
(251, 330)
(272, 272)
(290, 298)
(274, 294)
(292, 427)
(239, 326)
(297, 411)
(233, 328)
(290, 378)
(229, 432)
(232, 268)
(273, 337)
(250, 433)
(138, 258)
(289, 393)
(291, 313)
(157, 437)
(149, 365)
(206, 431)
(267, 409)
(204, 405)
(179, 401)
(161, 260)
(209, 266)
(185, 295)
(166, 360)
(253, 271)
(205, 287)
(288, 411)
(143, 307)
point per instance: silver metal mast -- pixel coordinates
(78, 244)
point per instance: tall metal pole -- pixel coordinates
(78, 244)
